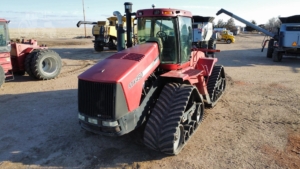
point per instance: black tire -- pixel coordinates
(46, 65)
(98, 47)
(228, 41)
(27, 64)
(277, 56)
(2, 76)
(20, 73)
(165, 129)
(270, 48)
(211, 45)
(112, 44)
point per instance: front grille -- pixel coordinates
(96, 99)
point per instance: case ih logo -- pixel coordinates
(138, 78)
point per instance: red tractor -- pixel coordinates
(26, 56)
(161, 85)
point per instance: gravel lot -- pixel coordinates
(256, 124)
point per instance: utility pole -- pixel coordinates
(84, 18)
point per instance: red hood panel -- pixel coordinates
(108, 70)
(119, 65)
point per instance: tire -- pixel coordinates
(277, 56)
(112, 44)
(98, 47)
(46, 65)
(270, 48)
(27, 64)
(211, 45)
(20, 73)
(228, 41)
(2, 76)
(167, 130)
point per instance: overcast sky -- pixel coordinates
(66, 13)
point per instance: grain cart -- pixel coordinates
(161, 83)
(203, 35)
(105, 33)
(26, 56)
(285, 42)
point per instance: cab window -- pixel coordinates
(160, 30)
(185, 35)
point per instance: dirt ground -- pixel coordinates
(256, 124)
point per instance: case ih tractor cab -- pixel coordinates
(161, 84)
(26, 56)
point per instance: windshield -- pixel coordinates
(160, 30)
(3, 35)
(4, 38)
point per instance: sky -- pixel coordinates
(66, 13)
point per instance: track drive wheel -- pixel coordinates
(216, 84)
(46, 64)
(270, 48)
(28, 60)
(176, 115)
(2, 76)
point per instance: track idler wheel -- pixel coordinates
(177, 113)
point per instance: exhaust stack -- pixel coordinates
(128, 10)
(120, 32)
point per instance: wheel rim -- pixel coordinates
(178, 139)
(221, 84)
(219, 88)
(48, 65)
(198, 113)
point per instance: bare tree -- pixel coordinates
(273, 24)
(230, 25)
(220, 24)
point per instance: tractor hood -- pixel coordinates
(124, 64)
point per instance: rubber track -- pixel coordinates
(165, 118)
(212, 84)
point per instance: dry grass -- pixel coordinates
(43, 33)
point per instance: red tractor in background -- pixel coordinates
(26, 56)
(159, 87)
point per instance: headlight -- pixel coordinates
(81, 117)
(110, 123)
(94, 121)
